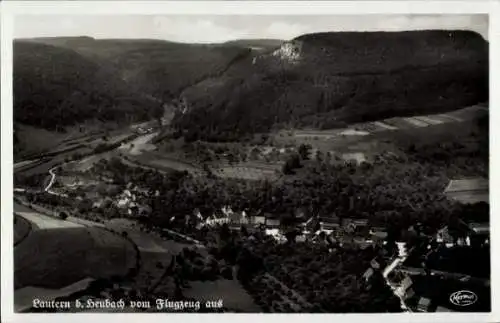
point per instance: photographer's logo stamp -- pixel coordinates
(463, 298)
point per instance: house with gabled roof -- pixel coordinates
(329, 223)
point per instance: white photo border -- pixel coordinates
(10, 9)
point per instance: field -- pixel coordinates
(233, 295)
(61, 150)
(155, 254)
(140, 144)
(34, 141)
(469, 190)
(63, 254)
(44, 222)
(379, 136)
(249, 171)
(163, 163)
(22, 228)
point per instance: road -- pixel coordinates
(397, 262)
(52, 178)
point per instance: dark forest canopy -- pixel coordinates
(56, 87)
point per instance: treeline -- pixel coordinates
(341, 78)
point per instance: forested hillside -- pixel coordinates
(329, 79)
(56, 87)
(159, 68)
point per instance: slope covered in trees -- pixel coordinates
(326, 80)
(64, 81)
(56, 87)
(159, 68)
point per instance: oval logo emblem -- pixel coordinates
(463, 298)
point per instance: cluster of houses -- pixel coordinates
(129, 201)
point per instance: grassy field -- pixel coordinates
(22, 228)
(469, 190)
(249, 171)
(383, 134)
(60, 257)
(164, 163)
(155, 254)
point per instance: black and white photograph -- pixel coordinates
(250, 163)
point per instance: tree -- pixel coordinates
(304, 151)
(63, 215)
(291, 164)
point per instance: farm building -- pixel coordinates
(468, 191)
(272, 222)
(329, 223)
(378, 235)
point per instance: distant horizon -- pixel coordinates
(212, 29)
(246, 39)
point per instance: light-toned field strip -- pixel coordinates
(450, 117)
(359, 157)
(416, 122)
(44, 222)
(470, 184)
(139, 144)
(442, 118)
(352, 132)
(244, 172)
(384, 125)
(470, 198)
(155, 248)
(308, 135)
(23, 298)
(23, 163)
(429, 119)
(86, 222)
